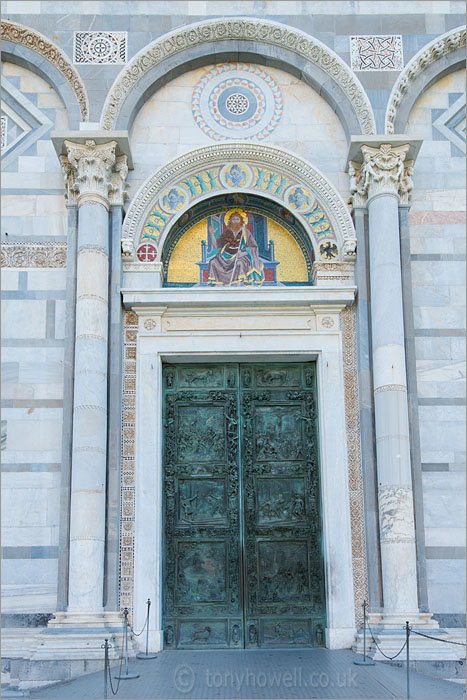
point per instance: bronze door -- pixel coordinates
(242, 551)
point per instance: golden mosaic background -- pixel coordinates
(187, 253)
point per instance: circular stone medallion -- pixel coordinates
(237, 101)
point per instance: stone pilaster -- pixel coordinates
(95, 178)
(380, 177)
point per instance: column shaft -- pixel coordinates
(367, 427)
(397, 534)
(87, 523)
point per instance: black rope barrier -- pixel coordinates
(137, 634)
(146, 654)
(437, 639)
(114, 692)
(127, 675)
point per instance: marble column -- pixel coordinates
(94, 173)
(382, 178)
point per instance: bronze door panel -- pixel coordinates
(242, 552)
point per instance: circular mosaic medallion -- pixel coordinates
(146, 253)
(237, 101)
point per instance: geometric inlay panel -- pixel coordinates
(376, 52)
(25, 123)
(99, 47)
(451, 124)
(237, 101)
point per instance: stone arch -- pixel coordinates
(435, 60)
(28, 48)
(251, 40)
(275, 173)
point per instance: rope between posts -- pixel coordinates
(437, 639)
(114, 692)
(391, 658)
(144, 626)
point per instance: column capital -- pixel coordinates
(381, 165)
(95, 165)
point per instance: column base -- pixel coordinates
(80, 635)
(395, 621)
(389, 633)
(70, 646)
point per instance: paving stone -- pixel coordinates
(279, 673)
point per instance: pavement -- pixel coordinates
(299, 673)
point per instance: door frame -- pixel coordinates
(186, 332)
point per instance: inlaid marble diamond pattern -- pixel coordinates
(25, 123)
(4, 131)
(377, 52)
(100, 47)
(450, 124)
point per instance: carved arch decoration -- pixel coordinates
(433, 61)
(250, 37)
(273, 173)
(30, 39)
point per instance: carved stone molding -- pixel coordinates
(93, 173)
(28, 254)
(251, 30)
(384, 169)
(263, 156)
(127, 486)
(341, 272)
(32, 39)
(354, 459)
(445, 44)
(396, 520)
(390, 387)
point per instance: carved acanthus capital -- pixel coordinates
(117, 191)
(383, 169)
(406, 185)
(357, 194)
(90, 169)
(72, 189)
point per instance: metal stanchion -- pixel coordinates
(147, 655)
(106, 646)
(124, 676)
(407, 652)
(364, 661)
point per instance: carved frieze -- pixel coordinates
(32, 39)
(28, 254)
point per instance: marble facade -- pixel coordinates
(90, 159)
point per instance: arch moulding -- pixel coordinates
(289, 171)
(248, 36)
(434, 60)
(35, 41)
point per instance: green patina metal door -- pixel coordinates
(242, 544)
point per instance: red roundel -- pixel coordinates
(146, 253)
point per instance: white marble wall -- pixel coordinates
(165, 128)
(437, 242)
(33, 320)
